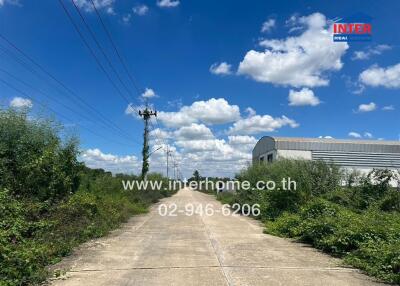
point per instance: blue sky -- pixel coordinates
(224, 73)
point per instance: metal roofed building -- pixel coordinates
(355, 154)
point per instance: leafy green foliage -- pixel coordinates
(34, 162)
(226, 198)
(49, 202)
(196, 176)
(359, 221)
(313, 178)
(378, 258)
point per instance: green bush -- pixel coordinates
(347, 234)
(313, 178)
(286, 225)
(226, 198)
(380, 259)
(49, 202)
(359, 222)
(391, 202)
(34, 163)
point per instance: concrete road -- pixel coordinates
(200, 250)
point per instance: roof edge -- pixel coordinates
(331, 140)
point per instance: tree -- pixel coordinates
(34, 161)
(196, 176)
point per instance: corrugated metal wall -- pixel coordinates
(346, 153)
(359, 159)
(339, 146)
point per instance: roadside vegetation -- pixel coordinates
(347, 215)
(50, 202)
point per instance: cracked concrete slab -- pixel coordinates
(200, 250)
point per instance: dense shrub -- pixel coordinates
(49, 202)
(378, 258)
(226, 198)
(313, 178)
(34, 162)
(359, 221)
(27, 245)
(391, 202)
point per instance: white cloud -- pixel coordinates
(293, 23)
(95, 158)
(325, 137)
(140, 10)
(297, 61)
(176, 119)
(193, 132)
(19, 102)
(126, 19)
(110, 10)
(268, 25)
(388, 108)
(303, 97)
(168, 3)
(196, 147)
(204, 145)
(160, 134)
(100, 4)
(210, 155)
(365, 55)
(367, 107)
(149, 93)
(354, 134)
(188, 132)
(259, 124)
(358, 135)
(212, 111)
(250, 111)
(132, 110)
(368, 135)
(242, 139)
(214, 156)
(244, 143)
(376, 76)
(221, 68)
(354, 86)
(11, 2)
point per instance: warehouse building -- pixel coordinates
(363, 155)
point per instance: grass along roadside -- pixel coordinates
(50, 202)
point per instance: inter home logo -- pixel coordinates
(357, 28)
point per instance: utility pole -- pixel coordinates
(168, 154)
(147, 113)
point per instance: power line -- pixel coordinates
(91, 51)
(70, 93)
(163, 145)
(116, 49)
(122, 61)
(55, 99)
(100, 47)
(52, 110)
(166, 143)
(155, 134)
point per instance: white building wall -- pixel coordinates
(294, 154)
